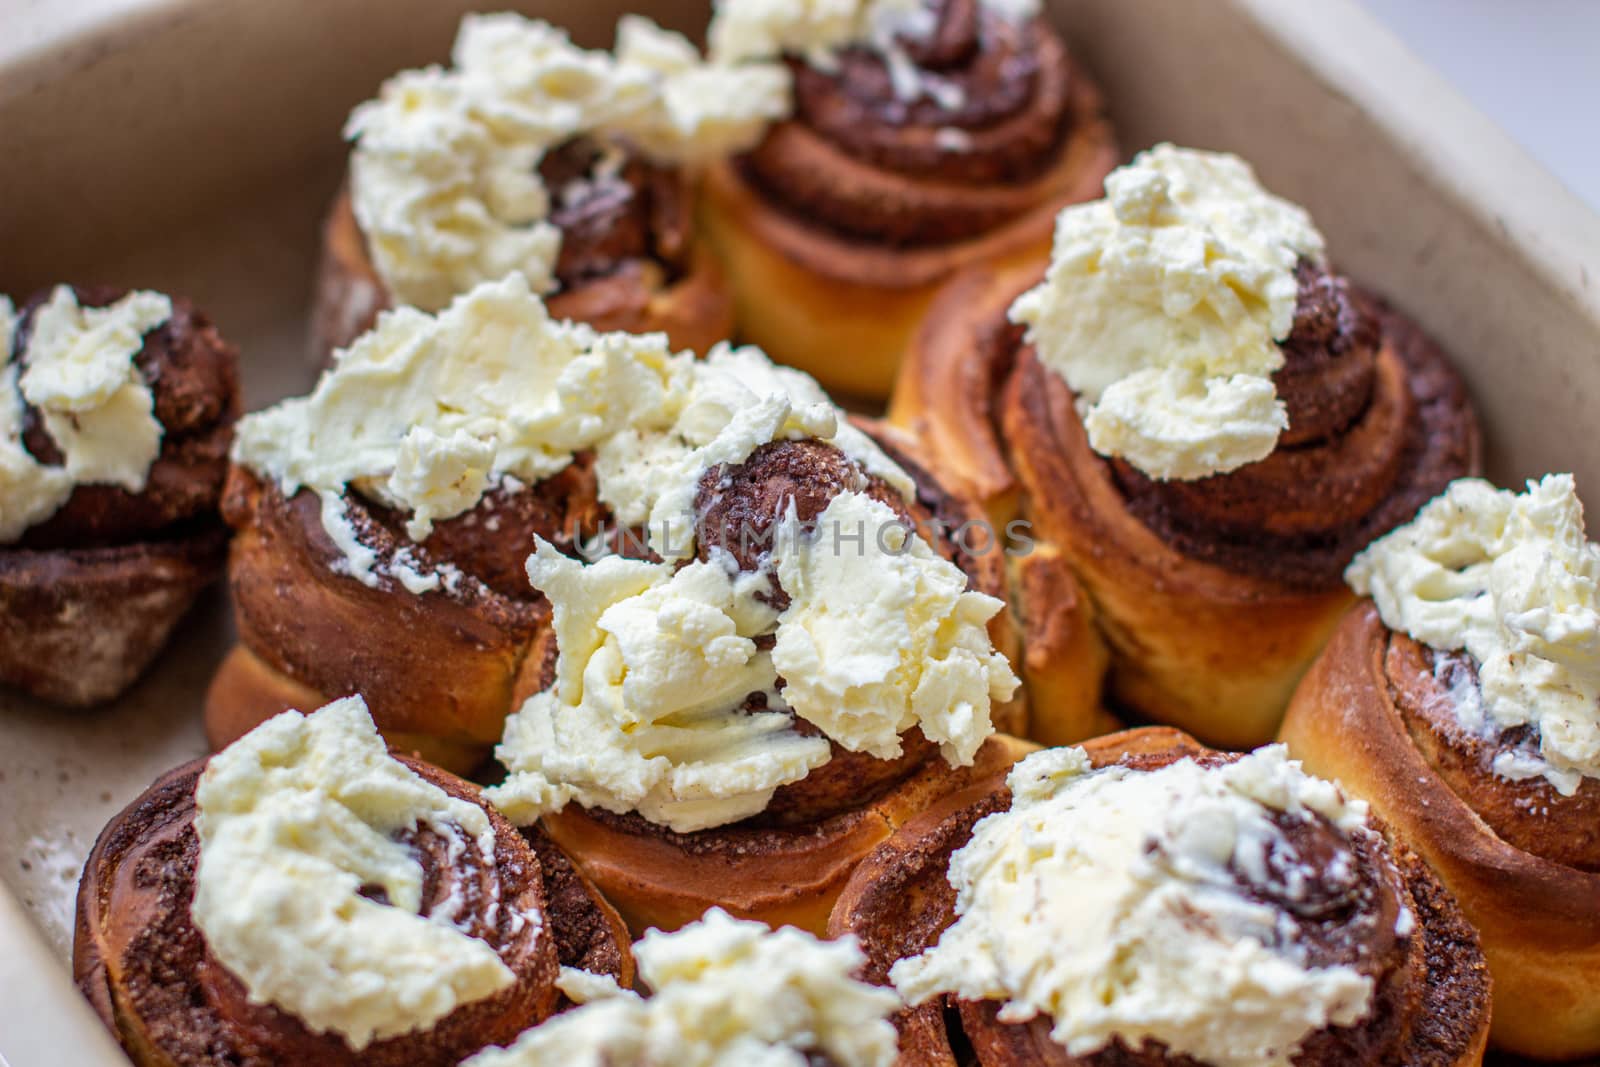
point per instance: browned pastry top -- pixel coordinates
(144, 964)
(1529, 814)
(1379, 423)
(951, 164)
(194, 380)
(1431, 988)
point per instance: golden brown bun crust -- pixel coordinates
(656, 878)
(695, 312)
(145, 968)
(1539, 921)
(438, 665)
(843, 310)
(946, 400)
(899, 901)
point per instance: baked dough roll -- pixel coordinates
(1206, 440)
(579, 168)
(385, 521)
(305, 897)
(1142, 900)
(808, 655)
(922, 138)
(116, 411)
(1461, 701)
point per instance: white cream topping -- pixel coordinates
(1109, 900)
(882, 634)
(1163, 307)
(644, 714)
(294, 819)
(726, 993)
(1513, 581)
(423, 411)
(78, 370)
(654, 664)
(444, 175)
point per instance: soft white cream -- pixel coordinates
(77, 369)
(882, 634)
(644, 715)
(726, 993)
(1513, 581)
(444, 175)
(1110, 900)
(1163, 307)
(294, 819)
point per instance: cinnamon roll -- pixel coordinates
(923, 137)
(385, 521)
(722, 991)
(578, 168)
(1200, 416)
(1463, 702)
(305, 897)
(1144, 900)
(116, 410)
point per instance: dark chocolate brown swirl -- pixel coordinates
(957, 154)
(1378, 425)
(193, 378)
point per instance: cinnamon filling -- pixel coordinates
(864, 157)
(615, 215)
(1378, 425)
(1424, 686)
(198, 1014)
(194, 382)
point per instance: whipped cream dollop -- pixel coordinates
(665, 704)
(1512, 580)
(725, 992)
(1163, 307)
(295, 819)
(1117, 902)
(444, 175)
(77, 369)
(882, 634)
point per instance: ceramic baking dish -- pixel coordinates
(189, 145)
